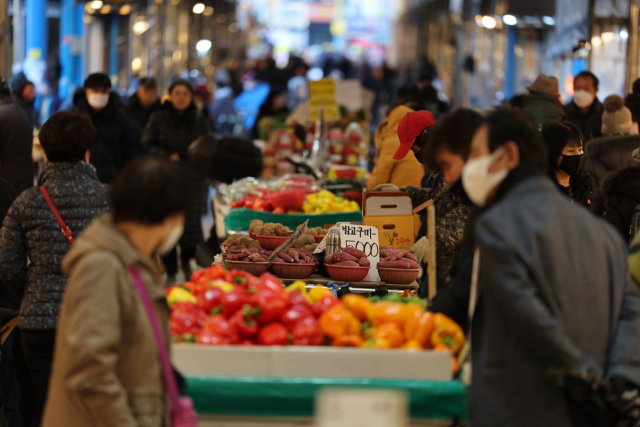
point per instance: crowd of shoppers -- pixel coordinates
(534, 211)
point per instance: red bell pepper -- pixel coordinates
(248, 202)
(209, 299)
(240, 278)
(278, 210)
(307, 332)
(237, 204)
(230, 302)
(244, 323)
(273, 334)
(296, 298)
(247, 342)
(271, 282)
(184, 323)
(325, 303)
(261, 205)
(210, 274)
(271, 305)
(221, 326)
(209, 338)
(295, 314)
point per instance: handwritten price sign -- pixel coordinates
(364, 238)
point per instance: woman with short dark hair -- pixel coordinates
(106, 364)
(170, 132)
(565, 149)
(31, 231)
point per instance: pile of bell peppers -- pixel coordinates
(220, 307)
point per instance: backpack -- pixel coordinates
(635, 223)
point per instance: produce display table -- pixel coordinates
(239, 219)
(316, 279)
(294, 397)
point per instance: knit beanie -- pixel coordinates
(616, 118)
(182, 82)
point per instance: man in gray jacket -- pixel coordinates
(556, 329)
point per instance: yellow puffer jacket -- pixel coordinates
(400, 173)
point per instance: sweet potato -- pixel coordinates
(232, 257)
(411, 262)
(394, 264)
(411, 257)
(294, 254)
(385, 253)
(260, 259)
(328, 259)
(278, 260)
(347, 264)
(236, 251)
(353, 251)
(341, 257)
(398, 254)
(364, 262)
(285, 257)
(387, 248)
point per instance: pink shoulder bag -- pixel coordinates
(182, 412)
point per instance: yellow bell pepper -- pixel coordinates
(224, 286)
(178, 295)
(317, 293)
(301, 287)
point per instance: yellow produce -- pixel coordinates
(317, 293)
(325, 201)
(178, 295)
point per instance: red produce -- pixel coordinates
(246, 342)
(279, 210)
(221, 326)
(271, 305)
(245, 324)
(184, 323)
(234, 301)
(307, 332)
(209, 338)
(273, 334)
(210, 299)
(296, 298)
(295, 314)
(270, 282)
(325, 303)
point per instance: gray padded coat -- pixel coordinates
(31, 230)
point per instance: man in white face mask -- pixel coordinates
(115, 143)
(585, 109)
(554, 309)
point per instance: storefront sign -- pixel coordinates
(323, 94)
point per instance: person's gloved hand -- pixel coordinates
(421, 250)
(386, 188)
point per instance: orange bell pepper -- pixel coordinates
(388, 312)
(420, 327)
(411, 345)
(358, 305)
(447, 334)
(392, 333)
(347, 341)
(338, 321)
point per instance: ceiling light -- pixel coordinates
(624, 34)
(607, 37)
(198, 8)
(136, 64)
(203, 45)
(596, 41)
(125, 9)
(548, 20)
(488, 22)
(140, 27)
(208, 11)
(106, 9)
(96, 4)
(509, 19)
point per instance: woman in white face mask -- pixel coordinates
(106, 360)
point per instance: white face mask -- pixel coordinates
(98, 100)
(478, 181)
(582, 98)
(171, 241)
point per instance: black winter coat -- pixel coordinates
(8, 298)
(621, 194)
(170, 132)
(139, 116)
(591, 124)
(115, 143)
(16, 142)
(31, 230)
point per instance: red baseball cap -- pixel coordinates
(412, 125)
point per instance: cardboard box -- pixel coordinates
(392, 214)
(310, 362)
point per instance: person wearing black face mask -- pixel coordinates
(565, 147)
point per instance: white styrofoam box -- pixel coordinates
(310, 362)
